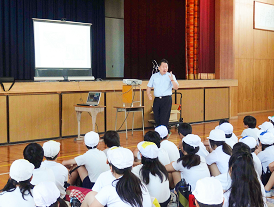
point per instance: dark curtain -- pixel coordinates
(154, 29)
(207, 36)
(16, 32)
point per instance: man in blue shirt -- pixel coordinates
(163, 82)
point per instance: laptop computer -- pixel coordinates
(93, 99)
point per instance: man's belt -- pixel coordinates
(160, 97)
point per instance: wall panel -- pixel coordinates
(33, 117)
(3, 117)
(69, 120)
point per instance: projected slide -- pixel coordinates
(62, 44)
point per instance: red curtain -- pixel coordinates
(154, 29)
(207, 38)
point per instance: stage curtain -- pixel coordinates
(16, 32)
(154, 29)
(207, 40)
(192, 38)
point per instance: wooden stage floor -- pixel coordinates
(70, 149)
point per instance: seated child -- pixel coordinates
(111, 139)
(191, 166)
(34, 153)
(250, 125)
(266, 126)
(92, 163)
(168, 146)
(251, 142)
(231, 138)
(51, 152)
(208, 192)
(220, 154)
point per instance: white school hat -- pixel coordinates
(148, 149)
(192, 140)
(91, 139)
(266, 125)
(271, 118)
(226, 127)
(21, 170)
(209, 191)
(217, 135)
(266, 137)
(162, 130)
(45, 194)
(249, 141)
(51, 148)
(120, 157)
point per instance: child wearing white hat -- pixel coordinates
(221, 153)
(250, 125)
(46, 194)
(168, 146)
(92, 163)
(251, 142)
(51, 151)
(266, 155)
(231, 138)
(208, 192)
(191, 166)
(18, 190)
(126, 190)
(152, 173)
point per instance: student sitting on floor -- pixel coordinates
(152, 136)
(111, 139)
(34, 153)
(191, 166)
(266, 155)
(168, 146)
(208, 192)
(251, 142)
(47, 194)
(250, 125)
(231, 138)
(18, 190)
(218, 159)
(266, 126)
(92, 163)
(126, 190)
(51, 152)
(152, 173)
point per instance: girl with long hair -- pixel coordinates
(18, 190)
(127, 190)
(218, 159)
(245, 189)
(191, 166)
(152, 173)
(47, 194)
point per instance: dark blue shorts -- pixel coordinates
(87, 183)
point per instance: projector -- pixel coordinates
(132, 82)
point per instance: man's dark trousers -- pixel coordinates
(161, 110)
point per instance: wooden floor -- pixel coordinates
(70, 149)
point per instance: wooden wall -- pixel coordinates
(254, 61)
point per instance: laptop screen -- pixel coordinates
(93, 98)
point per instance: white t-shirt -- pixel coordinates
(108, 196)
(156, 188)
(106, 151)
(60, 174)
(220, 158)
(257, 164)
(266, 157)
(252, 132)
(42, 174)
(202, 150)
(171, 149)
(104, 179)
(15, 199)
(194, 173)
(95, 162)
